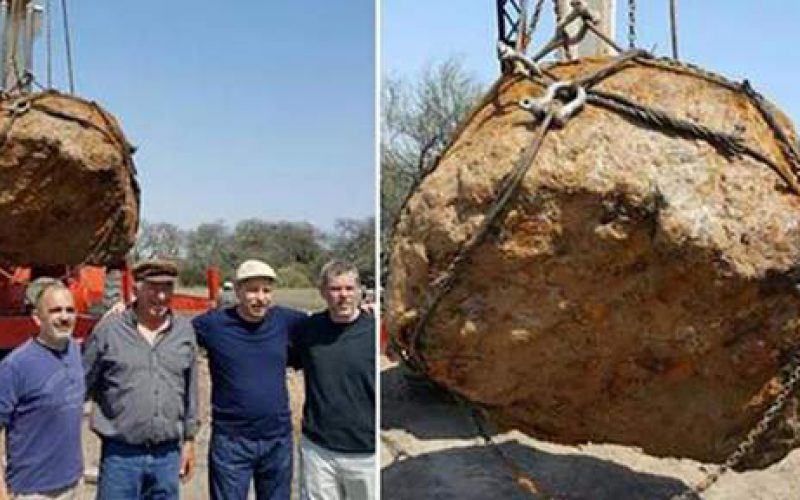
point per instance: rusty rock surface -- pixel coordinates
(68, 192)
(639, 290)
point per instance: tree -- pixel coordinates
(208, 245)
(280, 244)
(354, 241)
(417, 121)
(160, 239)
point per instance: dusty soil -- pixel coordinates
(431, 448)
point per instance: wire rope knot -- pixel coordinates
(18, 106)
(564, 99)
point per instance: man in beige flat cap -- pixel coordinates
(141, 371)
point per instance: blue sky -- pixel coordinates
(238, 109)
(739, 39)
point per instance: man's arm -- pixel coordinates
(92, 354)
(190, 424)
(4, 495)
(297, 325)
(8, 401)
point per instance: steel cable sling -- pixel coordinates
(548, 116)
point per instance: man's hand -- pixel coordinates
(117, 308)
(368, 307)
(4, 493)
(187, 461)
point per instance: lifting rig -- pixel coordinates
(94, 289)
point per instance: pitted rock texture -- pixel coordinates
(68, 192)
(639, 290)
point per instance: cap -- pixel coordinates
(254, 269)
(227, 285)
(155, 271)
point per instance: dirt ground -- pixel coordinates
(431, 448)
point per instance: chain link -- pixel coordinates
(673, 28)
(631, 24)
(563, 34)
(537, 12)
(443, 284)
(791, 374)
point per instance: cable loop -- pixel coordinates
(567, 97)
(506, 53)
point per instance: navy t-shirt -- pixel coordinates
(338, 362)
(41, 406)
(248, 370)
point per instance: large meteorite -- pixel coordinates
(68, 193)
(640, 287)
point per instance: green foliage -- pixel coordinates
(417, 120)
(354, 241)
(297, 250)
(295, 276)
(160, 239)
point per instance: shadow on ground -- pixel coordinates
(412, 405)
(411, 402)
(478, 473)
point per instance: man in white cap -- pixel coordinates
(141, 371)
(247, 349)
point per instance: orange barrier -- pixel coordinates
(17, 329)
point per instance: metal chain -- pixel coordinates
(522, 25)
(788, 386)
(537, 12)
(48, 13)
(68, 47)
(561, 32)
(631, 24)
(673, 24)
(728, 143)
(522, 479)
(557, 11)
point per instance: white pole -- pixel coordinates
(604, 12)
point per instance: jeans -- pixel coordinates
(234, 460)
(132, 472)
(329, 475)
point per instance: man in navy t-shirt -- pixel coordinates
(41, 402)
(247, 348)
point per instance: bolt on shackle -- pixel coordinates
(541, 105)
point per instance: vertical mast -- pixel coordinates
(604, 11)
(20, 22)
